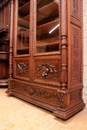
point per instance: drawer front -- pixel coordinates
(38, 93)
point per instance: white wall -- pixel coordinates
(85, 51)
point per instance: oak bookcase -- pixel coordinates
(45, 66)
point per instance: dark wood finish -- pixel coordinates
(47, 67)
(4, 42)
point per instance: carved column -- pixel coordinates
(11, 40)
(10, 49)
(63, 45)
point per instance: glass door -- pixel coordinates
(23, 27)
(47, 26)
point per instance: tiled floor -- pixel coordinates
(16, 114)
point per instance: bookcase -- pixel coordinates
(45, 64)
(4, 42)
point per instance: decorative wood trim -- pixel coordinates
(76, 56)
(76, 12)
(75, 9)
(41, 92)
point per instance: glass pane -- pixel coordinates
(47, 26)
(23, 27)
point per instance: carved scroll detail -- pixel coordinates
(45, 70)
(22, 69)
(41, 93)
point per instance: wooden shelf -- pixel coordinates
(23, 10)
(43, 12)
(3, 82)
(24, 48)
(47, 27)
(4, 55)
(4, 40)
(4, 30)
(47, 10)
(27, 18)
(23, 23)
(22, 2)
(26, 33)
(45, 44)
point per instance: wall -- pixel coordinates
(85, 51)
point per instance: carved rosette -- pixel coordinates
(45, 70)
(22, 69)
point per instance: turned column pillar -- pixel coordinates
(63, 44)
(11, 41)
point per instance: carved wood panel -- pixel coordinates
(41, 93)
(75, 8)
(76, 55)
(75, 95)
(47, 70)
(21, 69)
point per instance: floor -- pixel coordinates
(16, 114)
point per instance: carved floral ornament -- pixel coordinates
(45, 70)
(22, 69)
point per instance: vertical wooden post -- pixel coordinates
(11, 40)
(63, 44)
(10, 49)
